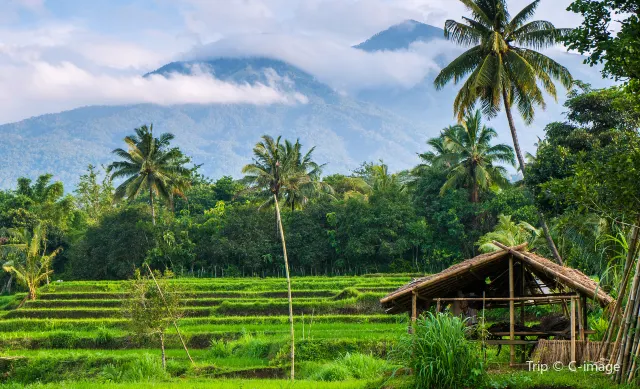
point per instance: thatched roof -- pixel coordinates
(488, 273)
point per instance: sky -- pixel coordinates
(61, 54)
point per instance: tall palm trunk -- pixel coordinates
(516, 146)
(286, 268)
(164, 355)
(153, 211)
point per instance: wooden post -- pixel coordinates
(573, 330)
(581, 313)
(585, 315)
(414, 312)
(512, 318)
(522, 292)
(414, 307)
(438, 306)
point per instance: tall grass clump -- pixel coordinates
(440, 355)
(351, 366)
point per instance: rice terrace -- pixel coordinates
(339, 194)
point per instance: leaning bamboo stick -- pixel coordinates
(635, 351)
(175, 324)
(631, 254)
(632, 318)
(633, 367)
(623, 349)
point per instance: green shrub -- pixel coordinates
(104, 337)
(363, 366)
(249, 346)
(332, 372)
(347, 293)
(220, 349)
(351, 366)
(146, 368)
(63, 339)
(440, 354)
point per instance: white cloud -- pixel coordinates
(41, 87)
(342, 67)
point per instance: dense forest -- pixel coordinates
(584, 178)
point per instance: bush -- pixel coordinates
(362, 366)
(249, 346)
(332, 372)
(146, 368)
(351, 366)
(63, 339)
(104, 337)
(220, 349)
(440, 354)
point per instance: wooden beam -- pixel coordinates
(512, 329)
(573, 330)
(594, 294)
(451, 274)
(563, 296)
(510, 342)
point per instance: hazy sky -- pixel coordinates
(61, 54)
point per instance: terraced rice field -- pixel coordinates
(233, 328)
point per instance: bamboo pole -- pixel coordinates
(631, 304)
(573, 330)
(175, 324)
(286, 268)
(632, 318)
(512, 348)
(631, 254)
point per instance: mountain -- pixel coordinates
(389, 123)
(220, 136)
(401, 36)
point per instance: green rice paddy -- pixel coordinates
(236, 329)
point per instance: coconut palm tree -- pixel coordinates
(509, 234)
(306, 182)
(27, 257)
(472, 158)
(383, 181)
(503, 66)
(280, 170)
(150, 165)
(433, 157)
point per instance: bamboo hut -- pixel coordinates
(510, 278)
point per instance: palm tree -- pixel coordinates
(150, 165)
(299, 187)
(504, 66)
(281, 170)
(509, 234)
(383, 181)
(27, 257)
(472, 158)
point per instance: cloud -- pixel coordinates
(41, 87)
(343, 67)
